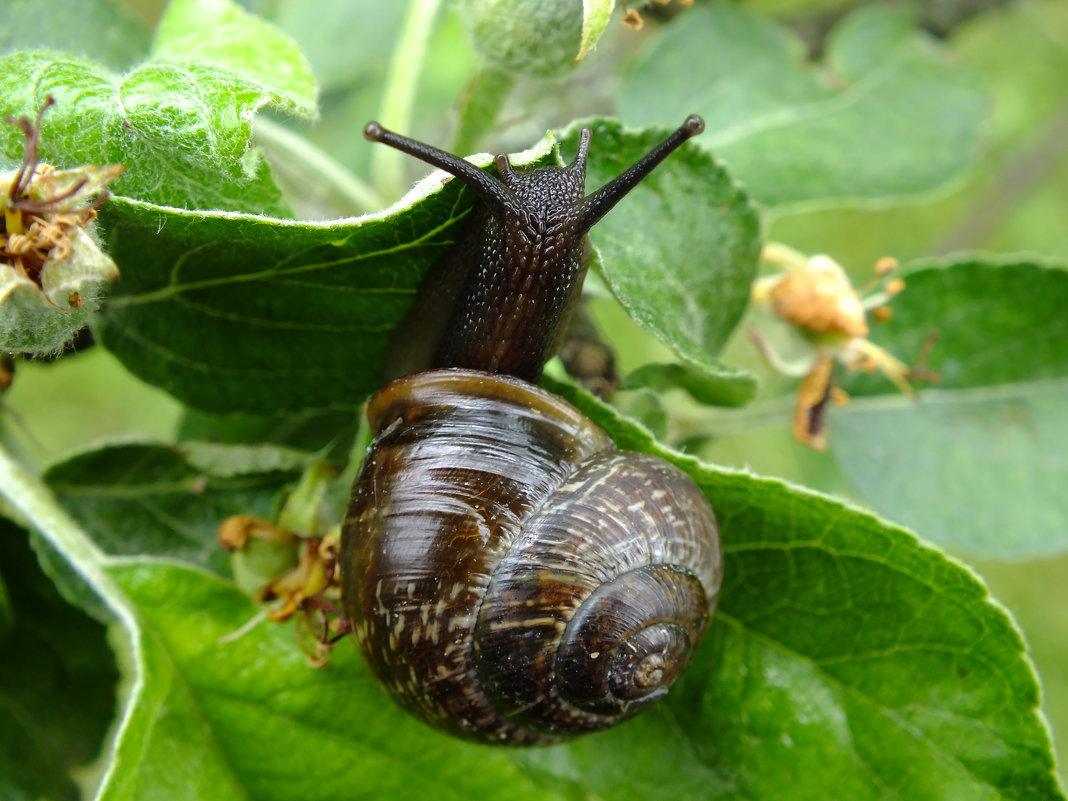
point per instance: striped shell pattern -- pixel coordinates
(512, 577)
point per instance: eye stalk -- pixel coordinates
(489, 189)
(590, 209)
(596, 205)
(516, 273)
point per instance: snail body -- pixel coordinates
(509, 575)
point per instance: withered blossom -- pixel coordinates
(815, 297)
(51, 267)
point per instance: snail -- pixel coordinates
(509, 575)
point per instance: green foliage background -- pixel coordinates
(873, 166)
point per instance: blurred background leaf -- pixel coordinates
(146, 498)
(886, 114)
(984, 449)
(99, 29)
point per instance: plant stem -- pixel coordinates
(481, 105)
(299, 156)
(1018, 178)
(716, 421)
(398, 96)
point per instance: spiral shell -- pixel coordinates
(510, 575)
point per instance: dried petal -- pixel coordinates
(820, 299)
(51, 268)
(812, 398)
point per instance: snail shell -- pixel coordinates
(510, 575)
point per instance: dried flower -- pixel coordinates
(51, 268)
(297, 571)
(816, 298)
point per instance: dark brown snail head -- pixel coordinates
(515, 276)
(545, 192)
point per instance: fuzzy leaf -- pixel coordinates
(330, 433)
(221, 33)
(841, 644)
(146, 498)
(247, 717)
(304, 308)
(180, 124)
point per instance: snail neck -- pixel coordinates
(524, 276)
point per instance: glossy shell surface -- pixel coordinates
(510, 575)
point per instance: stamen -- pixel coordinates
(29, 156)
(42, 206)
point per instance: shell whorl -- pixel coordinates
(520, 600)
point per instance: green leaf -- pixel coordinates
(794, 7)
(98, 29)
(330, 433)
(277, 292)
(680, 252)
(304, 309)
(222, 34)
(143, 498)
(887, 115)
(247, 717)
(990, 437)
(728, 386)
(647, 408)
(219, 710)
(998, 320)
(6, 613)
(842, 647)
(367, 30)
(231, 460)
(981, 472)
(57, 681)
(595, 16)
(180, 128)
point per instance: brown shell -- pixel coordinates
(510, 576)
